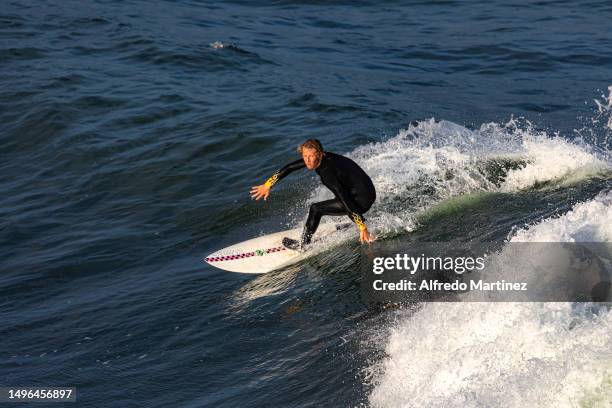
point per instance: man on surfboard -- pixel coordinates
(353, 190)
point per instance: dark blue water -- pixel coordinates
(131, 132)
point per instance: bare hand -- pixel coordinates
(365, 236)
(258, 192)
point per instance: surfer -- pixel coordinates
(353, 190)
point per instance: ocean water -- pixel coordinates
(131, 132)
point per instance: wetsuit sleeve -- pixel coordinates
(348, 202)
(284, 172)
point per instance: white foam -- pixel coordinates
(499, 354)
(604, 107)
(217, 45)
(505, 354)
(552, 158)
(590, 221)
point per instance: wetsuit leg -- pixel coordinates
(317, 210)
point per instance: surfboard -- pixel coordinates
(266, 253)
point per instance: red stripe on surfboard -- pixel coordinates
(241, 256)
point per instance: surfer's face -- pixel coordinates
(312, 158)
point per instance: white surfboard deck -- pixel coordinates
(265, 253)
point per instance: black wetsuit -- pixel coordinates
(353, 190)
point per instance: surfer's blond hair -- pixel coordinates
(311, 144)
